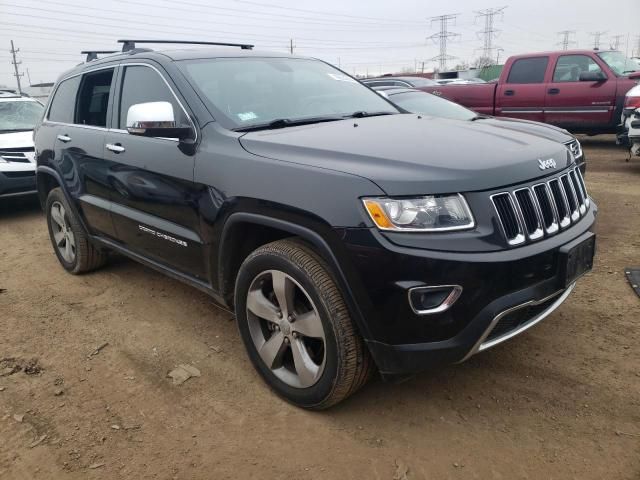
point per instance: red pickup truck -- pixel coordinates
(581, 90)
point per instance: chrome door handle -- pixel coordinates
(114, 147)
(64, 138)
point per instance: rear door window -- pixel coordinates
(63, 104)
(528, 70)
(93, 99)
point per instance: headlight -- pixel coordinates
(579, 149)
(431, 213)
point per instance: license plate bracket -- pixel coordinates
(576, 258)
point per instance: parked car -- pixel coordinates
(346, 236)
(18, 117)
(398, 82)
(631, 121)
(580, 90)
(418, 101)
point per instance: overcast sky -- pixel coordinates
(374, 36)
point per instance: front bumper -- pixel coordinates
(17, 183)
(520, 285)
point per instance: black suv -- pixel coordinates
(347, 235)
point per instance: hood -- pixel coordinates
(16, 139)
(542, 130)
(408, 155)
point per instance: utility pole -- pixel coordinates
(566, 39)
(489, 33)
(15, 67)
(638, 46)
(617, 39)
(291, 46)
(498, 56)
(597, 36)
(443, 37)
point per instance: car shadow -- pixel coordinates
(16, 207)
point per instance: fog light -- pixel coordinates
(428, 300)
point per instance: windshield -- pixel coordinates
(619, 63)
(256, 91)
(19, 116)
(419, 82)
(428, 104)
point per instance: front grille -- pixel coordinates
(575, 148)
(19, 174)
(530, 213)
(15, 154)
(512, 321)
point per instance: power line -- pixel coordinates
(15, 67)
(442, 37)
(566, 39)
(333, 15)
(490, 32)
(617, 39)
(597, 36)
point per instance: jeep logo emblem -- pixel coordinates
(544, 164)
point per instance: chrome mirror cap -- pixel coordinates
(151, 115)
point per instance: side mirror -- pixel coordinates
(155, 119)
(592, 77)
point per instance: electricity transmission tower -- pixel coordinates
(617, 39)
(15, 63)
(443, 37)
(597, 36)
(490, 32)
(566, 39)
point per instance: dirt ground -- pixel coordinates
(559, 402)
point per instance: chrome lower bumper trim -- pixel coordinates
(482, 345)
(18, 194)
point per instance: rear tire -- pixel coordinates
(337, 362)
(70, 242)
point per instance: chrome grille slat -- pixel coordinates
(571, 197)
(530, 213)
(583, 186)
(547, 208)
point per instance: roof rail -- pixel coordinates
(131, 44)
(93, 54)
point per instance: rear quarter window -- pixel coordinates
(528, 70)
(63, 104)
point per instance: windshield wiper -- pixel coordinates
(363, 114)
(287, 122)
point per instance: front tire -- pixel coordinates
(296, 327)
(70, 242)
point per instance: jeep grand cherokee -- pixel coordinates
(347, 235)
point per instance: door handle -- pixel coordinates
(553, 91)
(115, 147)
(509, 93)
(64, 138)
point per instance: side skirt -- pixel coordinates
(170, 272)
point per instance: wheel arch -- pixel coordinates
(46, 180)
(231, 254)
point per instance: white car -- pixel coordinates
(18, 116)
(631, 119)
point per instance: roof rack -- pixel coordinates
(128, 45)
(93, 54)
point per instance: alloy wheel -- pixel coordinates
(63, 236)
(286, 329)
